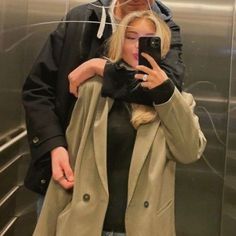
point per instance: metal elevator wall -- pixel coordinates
(206, 190)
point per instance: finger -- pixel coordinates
(66, 168)
(73, 90)
(150, 59)
(140, 76)
(146, 85)
(144, 69)
(69, 175)
(66, 184)
(60, 178)
(72, 85)
(57, 172)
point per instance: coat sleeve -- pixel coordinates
(57, 201)
(45, 93)
(39, 97)
(173, 64)
(184, 138)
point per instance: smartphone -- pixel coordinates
(152, 46)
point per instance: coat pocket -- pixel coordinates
(165, 223)
(164, 207)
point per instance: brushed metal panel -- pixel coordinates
(207, 34)
(41, 21)
(20, 204)
(22, 226)
(229, 200)
(13, 175)
(13, 17)
(73, 3)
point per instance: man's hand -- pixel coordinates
(85, 71)
(61, 169)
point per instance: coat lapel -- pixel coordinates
(100, 139)
(143, 142)
(144, 139)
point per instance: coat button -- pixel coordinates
(35, 140)
(86, 197)
(43, 181)
(146, 204)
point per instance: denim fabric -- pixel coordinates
(39, 204)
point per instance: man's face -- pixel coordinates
(135, 5)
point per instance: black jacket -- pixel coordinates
(46, 98)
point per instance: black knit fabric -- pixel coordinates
(119, 83)
(121, 137)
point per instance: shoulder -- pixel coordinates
(91, 87)
(162, 10)
(165, 13)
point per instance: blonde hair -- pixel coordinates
(141, 114)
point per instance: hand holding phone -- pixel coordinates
(149, 73)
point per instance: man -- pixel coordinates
(46, 97)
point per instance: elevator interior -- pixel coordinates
(206, 190)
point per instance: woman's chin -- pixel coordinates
(132, 64)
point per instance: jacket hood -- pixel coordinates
(101, 8)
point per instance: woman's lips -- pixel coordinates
(136, 56)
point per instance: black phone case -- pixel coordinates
(152, 46)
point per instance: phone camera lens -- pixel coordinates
(154, 43)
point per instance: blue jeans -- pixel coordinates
(106, 233)
(39, 204)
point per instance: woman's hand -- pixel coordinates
(85, 71)
(152, 77)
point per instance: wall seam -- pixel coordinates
(228, 114)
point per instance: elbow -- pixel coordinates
(194, 151)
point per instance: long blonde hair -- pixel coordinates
(141, 114)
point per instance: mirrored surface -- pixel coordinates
(205, 191)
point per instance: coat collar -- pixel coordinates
(143, 142)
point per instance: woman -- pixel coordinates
(124, 144)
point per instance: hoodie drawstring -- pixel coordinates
(102, 23)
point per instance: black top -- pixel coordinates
(121, 137)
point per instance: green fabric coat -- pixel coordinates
(174, 136)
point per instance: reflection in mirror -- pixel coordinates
(201, 188)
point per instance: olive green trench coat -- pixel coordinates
(174, 136)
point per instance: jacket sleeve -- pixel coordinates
(173, 64)
(184, 138)
(39, 94)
